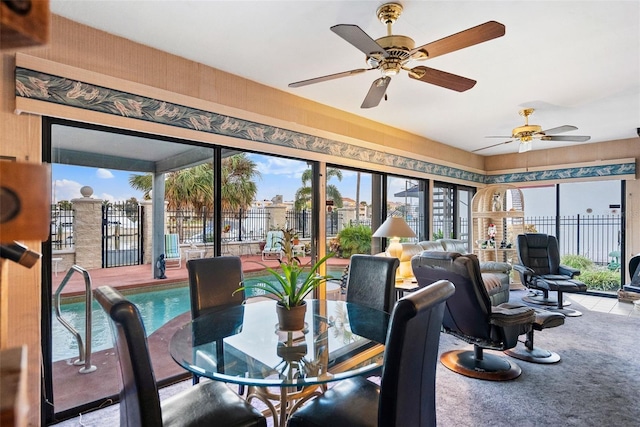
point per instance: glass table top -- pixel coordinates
(243, 344)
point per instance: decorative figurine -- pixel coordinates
(491, 231)
(160, 268)
(496, 203)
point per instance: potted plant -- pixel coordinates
(292, 285)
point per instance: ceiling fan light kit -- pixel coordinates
(392, 53)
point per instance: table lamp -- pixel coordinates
(394, 227)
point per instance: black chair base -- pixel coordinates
(569, 312)
(542, 299)
(490, 367)
(535, 355)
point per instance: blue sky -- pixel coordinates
(282, 176)
(278, 176)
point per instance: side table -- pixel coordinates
(194, 253)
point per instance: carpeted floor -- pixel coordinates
(597, 382)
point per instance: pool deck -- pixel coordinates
(71, 388)
(139, 276)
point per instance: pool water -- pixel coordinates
(157, 307)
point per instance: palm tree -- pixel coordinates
(193, 187)
(303, 194)
(239, 189)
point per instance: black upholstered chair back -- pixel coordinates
(539, 252)
(372, 281)
(468, 311)
(407, 387)
(139, 400)
(634, 270)
(212, 282)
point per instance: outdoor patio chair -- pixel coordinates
(540, 270)
(172, 255)
(208, 403)
(406, 395)
(273, 246)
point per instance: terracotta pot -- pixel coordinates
(291, 319)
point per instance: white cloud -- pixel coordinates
(109, 197)
(65, 189)
(280, 166)
(104, 174)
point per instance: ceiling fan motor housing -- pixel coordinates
(398, 48)
(527, 132)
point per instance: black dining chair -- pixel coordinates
(372, 280)
(406, 395)
(212, 283)
(209, 403)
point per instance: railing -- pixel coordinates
(592, 236)
(300, 221)
(240, 225)
(61, 229)
(84, 350)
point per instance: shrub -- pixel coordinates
(354, 239)
(596, 278)
(577, 261)
(601, 279)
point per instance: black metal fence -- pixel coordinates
(300, 221)
(61, 228)
(597, 237)
(237, 226)
(121, 237)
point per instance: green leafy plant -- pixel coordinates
(293, 282)
(596, 278)
(355, 239)
(576, 261)
(601, 279)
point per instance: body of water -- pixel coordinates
(157, 307)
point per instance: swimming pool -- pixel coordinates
(157, 306)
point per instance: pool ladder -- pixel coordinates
(85, 351)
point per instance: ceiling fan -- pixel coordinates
(392, 53)
(527, 133)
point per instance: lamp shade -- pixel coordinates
(394, 226)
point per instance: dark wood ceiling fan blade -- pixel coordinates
(358, 38)
(376, 92)
(494, 145)
(559, 129)
(568, 138)
(441, 78)
(469, 37)
(329, 77)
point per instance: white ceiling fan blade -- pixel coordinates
(569, 138)
(376, 92)
(494, 145)
(559, 129)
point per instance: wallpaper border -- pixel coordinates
(60, 90)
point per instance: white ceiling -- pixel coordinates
(576, 62)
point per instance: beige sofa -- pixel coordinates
(494, 274)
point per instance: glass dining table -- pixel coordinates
(244, 345)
